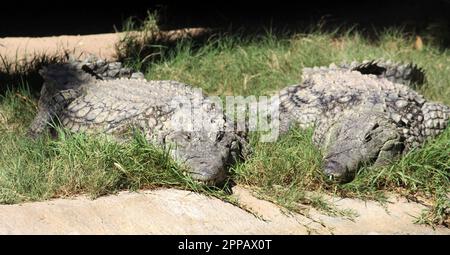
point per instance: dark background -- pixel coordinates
(44, 18)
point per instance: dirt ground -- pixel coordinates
(170, 211)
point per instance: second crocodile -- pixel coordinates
(362, 113)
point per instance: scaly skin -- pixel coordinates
(86, 104)
(361, 116)
(354, 138)
(346, 106)
(408, 74)
(67, 87)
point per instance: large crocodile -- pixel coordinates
(362, 113)
(88, 100)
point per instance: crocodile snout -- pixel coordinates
(207, 170)
(336, 172)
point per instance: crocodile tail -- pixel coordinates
(64, 76)
(408, 74)
(436, 118)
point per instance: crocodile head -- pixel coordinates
(356, 139)
(207, 155)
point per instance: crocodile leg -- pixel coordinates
(47, 112)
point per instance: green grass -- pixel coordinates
(245, 65)
(286, 172)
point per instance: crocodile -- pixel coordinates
(82, 99)
(363, 113)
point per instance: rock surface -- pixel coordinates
(170, 211)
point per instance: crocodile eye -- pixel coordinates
(220, 136)
(367, 138)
